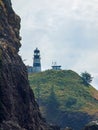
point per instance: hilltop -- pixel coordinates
(64, 94)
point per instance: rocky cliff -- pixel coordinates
(18, 109)
(91, 126)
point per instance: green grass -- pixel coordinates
(70, 91)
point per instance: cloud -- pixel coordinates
(64, 31)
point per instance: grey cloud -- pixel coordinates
(65, 31)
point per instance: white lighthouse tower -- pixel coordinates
(36, 61)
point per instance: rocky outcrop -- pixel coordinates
(68, 128)
(92, 126)
(75, 120)
(54, 127)
(18, 109)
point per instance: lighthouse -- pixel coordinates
(36, 61)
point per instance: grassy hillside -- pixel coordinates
(70, 92)
(64, 98)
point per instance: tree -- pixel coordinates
(87, 78)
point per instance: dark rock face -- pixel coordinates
(18, 109)
(91, 126)
(67, 128)
(55, 127)
(75, 120)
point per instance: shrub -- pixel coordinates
(70, 102)
(87, 79)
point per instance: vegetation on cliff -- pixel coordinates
(69, 89)
(58, 92)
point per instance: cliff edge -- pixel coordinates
(18, 109)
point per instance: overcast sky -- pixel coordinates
(65, 31)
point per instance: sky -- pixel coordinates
(65, 31)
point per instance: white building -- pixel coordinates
(55, 66)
